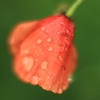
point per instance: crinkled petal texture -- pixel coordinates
(44, 53)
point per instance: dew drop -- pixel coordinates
(27, 51)
(61, 23)
(40, 49)
(60, 90)
(63, 68)
(64, 87)
(47, 31)
(54, 91)
(48, 39)
(23, 52)
(35, 80)
(58, 82)
(46, 87)
(39, 41)
(68, 31)
(49, 87)
(70, 79)
(43, 28)
(65, 49)
(50, 49)
(58, 32)
(36, 59)
(52, 23)
(28, 63)
(38, 54)
(44, 65)
(48, 77)
(34, 47)
(54, 74)
(60, 58)
(67, 42)
(72, 34)
(55, 41)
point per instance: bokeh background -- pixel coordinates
(86, 83)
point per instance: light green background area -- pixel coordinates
(86, 83)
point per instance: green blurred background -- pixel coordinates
(86, 83)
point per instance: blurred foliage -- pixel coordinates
(86, 84)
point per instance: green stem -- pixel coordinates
(72, 9)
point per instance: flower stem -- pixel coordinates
(72, 9)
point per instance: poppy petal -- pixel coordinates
(19, 33)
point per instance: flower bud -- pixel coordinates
(44, 52)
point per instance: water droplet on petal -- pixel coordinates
(46, 87)
(54, 74)
(58, 32)
(27, 51)
(60, 58)
(54, 91)
(28, 63)
(36, 59)
(60, 90)
(55, 41)
(40, 49)
(35, 80)
(43, 28)
(39, 41)
(44, 65)
(47, 31)
(58, 82)
(38, 54)
(63, 68)
(65, 49)
(34, 47)
(48, 39)
(64, 87)
(70, 79)
(50, 49)
(68, 31)
(52, 23)
(61, 23)
(48, 77)
(23, 52)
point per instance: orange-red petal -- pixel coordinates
(19, 33)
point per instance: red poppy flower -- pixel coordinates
(44, 52)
